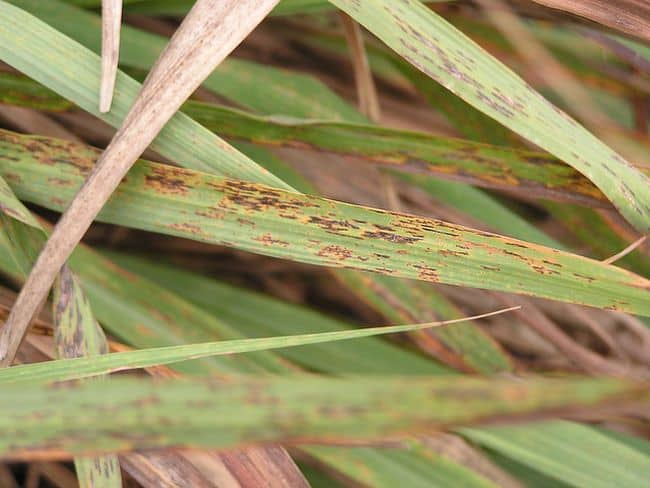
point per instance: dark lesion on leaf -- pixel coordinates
(338, 253)
(168, 180)
(391, 237)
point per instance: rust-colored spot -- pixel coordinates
(391, 237)
(335, 252)
(212, 213)
(60, 182)
(426, 273)
(452, 252)
(332, 225)
(167, 180)
(267, 240)
(186, 228)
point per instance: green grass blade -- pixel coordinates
(258, 87)
(257, 315)
(412, 466)
(131, 414)
(445, 54)
(39, 51)
(84, 367)
(120, 300)
(274, 222)
(13, 208)
(637, 443)
(518, 171)
(569, 452)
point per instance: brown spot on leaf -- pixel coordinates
(391, 237)
(267, 240)
(426, 273)
(168, 180)
(338, 253)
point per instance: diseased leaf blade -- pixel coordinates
(144, 414)
(319, 231)
(77, 334)
(438, 49)
(529, 173)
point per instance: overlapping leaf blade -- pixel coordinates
(24, 40)
(142, 414)
(320, 231)
(437, 48)
(518, 171)
(546, 446)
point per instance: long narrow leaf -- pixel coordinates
(77, 368)
(258, 87)
(77, 334)
(39, 51)
(569, 452)
(319, 231)
(526, 172)
(129, 414)
(445, 54)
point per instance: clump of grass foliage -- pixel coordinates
(384, 243)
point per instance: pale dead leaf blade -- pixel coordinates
(111, 23)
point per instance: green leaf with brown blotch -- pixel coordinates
(529, 173)
(252, 85)
(315, 230)
(77, 333)
(438, 49)
(133, 414)
(18, 90)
